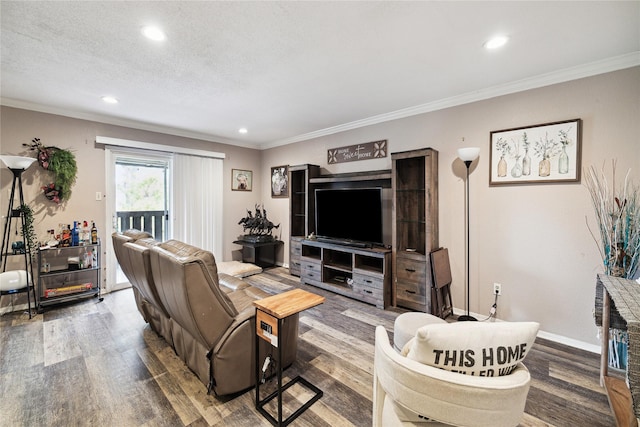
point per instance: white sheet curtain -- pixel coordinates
(197, 202)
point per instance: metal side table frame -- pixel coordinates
(270, 315)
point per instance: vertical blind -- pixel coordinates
(197, 201)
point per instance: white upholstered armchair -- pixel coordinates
(407, 393)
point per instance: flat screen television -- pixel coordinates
(350, 215)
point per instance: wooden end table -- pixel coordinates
(270, 314)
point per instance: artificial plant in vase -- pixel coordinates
(62, 163)
(617, 210)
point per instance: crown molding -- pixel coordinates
(105, 119)
(560, 76)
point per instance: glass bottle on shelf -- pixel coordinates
(65, 239)
(52, 242)
(75, 234)
(94, 233)
(85, 235)
(88, 259)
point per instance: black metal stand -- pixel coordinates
(262, 254)
(278, 393)
(467, 317)
(15, 213)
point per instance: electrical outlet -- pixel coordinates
(497, 288)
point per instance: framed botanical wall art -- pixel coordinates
(241, 180)
(280, 181)
(538, 154)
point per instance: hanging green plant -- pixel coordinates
(62, 163)
(28, 230)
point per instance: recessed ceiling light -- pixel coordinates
(496, 42)
(153, 33)
(110, 99)
(243, 130)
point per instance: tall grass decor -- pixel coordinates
(617, 211)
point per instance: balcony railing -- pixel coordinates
(153, 222)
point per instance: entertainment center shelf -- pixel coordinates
(360, 273)
(352, 177)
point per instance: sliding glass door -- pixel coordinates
(140, 199)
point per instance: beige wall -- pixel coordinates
(531, 239)
(21, 126)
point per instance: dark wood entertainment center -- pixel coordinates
(399, 275)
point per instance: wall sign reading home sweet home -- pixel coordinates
(365, 151)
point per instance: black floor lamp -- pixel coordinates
(18, 165)
(468, 155)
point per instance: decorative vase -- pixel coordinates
(516, 170)
(526, 164)
(563, 161)
(502, 167)
(544, 169)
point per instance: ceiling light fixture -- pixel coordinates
(110, 99)
(153, 33)
(242, 130)
(496, 42)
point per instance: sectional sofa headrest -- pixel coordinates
(137, 234)
(147, 242)
(184, 250)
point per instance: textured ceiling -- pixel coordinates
(289, 71)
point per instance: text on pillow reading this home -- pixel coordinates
(502, 355)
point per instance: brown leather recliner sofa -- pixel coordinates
(208, 318)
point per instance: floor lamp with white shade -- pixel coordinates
(468, 155)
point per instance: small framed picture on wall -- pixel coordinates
(241, 180)
(280, 181)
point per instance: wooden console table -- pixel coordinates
(621, 301)
(270, 314)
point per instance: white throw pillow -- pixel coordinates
(238, 269)
(473, 348)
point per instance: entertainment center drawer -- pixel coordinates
(368, 294)
(310, 270)
(296, 247)
(409, 270)
(368, 281)
(294, 266)
(310, 266)
(412, 293)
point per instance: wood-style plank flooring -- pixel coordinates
(91, 363)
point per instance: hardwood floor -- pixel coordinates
(91, 363)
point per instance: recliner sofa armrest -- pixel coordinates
(232, 282)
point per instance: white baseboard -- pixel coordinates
(593, 348)
(560, 339)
